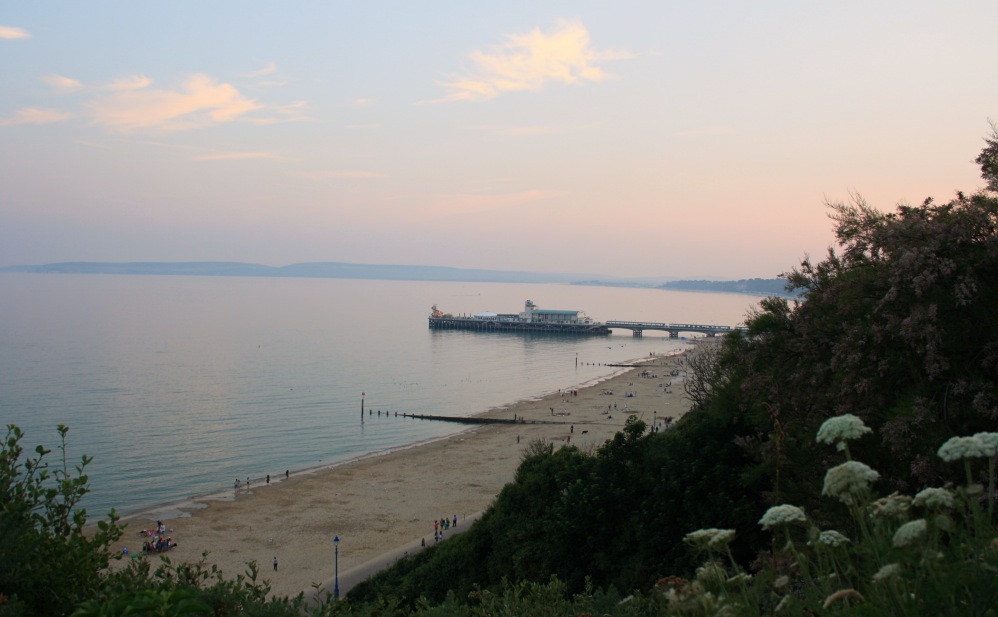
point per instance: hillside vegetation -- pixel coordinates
(839, 460)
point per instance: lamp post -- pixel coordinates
(336, 575)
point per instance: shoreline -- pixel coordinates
(181, 507)
(382, 503)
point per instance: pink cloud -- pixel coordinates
(528, 61)
(11, 32)
(200, 102)
(35, 115)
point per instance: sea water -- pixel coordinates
(177, 386)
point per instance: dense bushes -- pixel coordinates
(613, 519)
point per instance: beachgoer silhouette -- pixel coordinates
(275, 563)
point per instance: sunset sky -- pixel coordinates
(652, 138)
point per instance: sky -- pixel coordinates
(624, 139)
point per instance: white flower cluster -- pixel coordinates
(710, 538)
(957, 448)
(782, 515)
(990, 440)
(886, 572)
(840, 429)
(832, 538)
(933, 498)
(908, 533)
(848, 481)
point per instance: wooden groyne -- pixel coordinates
(475, 420)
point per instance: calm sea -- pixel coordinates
(179, 385)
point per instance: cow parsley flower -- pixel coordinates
(848, 481)
(782, 515)
(889, 571)
(841, 429)
(910, 532)
(990, 440)
(957, 448)
(933, 498)
(710, 538)
(832, 538)
(722, 538)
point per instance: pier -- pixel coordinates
(637, 327)
(509, 325)
(593, 328)
(536, 320)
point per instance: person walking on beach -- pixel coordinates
(275, 563)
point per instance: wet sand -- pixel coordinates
(384, 504)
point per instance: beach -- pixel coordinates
(384, 505)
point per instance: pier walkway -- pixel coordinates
(637, 327)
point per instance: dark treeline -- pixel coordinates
(897, 328)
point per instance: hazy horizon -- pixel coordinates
(634, 139)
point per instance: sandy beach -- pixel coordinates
(384, 504)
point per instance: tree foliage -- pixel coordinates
(897, 327)
(47, 563)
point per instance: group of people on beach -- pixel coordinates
(238, 485)
(158, 541)
(440, 525)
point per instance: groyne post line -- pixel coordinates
(476, 420)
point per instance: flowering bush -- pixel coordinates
(943, 563)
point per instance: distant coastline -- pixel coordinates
(755, 286)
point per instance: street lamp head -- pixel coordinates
(336, 540)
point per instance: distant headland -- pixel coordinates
(755, 286)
